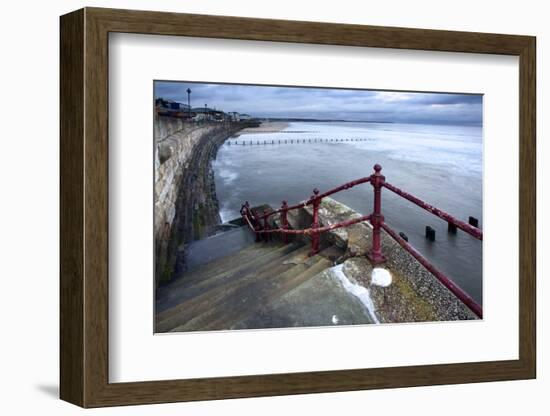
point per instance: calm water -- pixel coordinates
(440, 164)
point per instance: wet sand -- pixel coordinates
(265, 127)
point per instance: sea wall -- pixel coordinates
(186, 206)
(413, 295)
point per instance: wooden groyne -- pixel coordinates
(279, 141)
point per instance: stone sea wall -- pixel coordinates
(186, 206)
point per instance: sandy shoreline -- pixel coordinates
(265, 127)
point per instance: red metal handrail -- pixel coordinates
(311, 200)
(470, 229)
(312, 230)
(448, 283)
(260, 226)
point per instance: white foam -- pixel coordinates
(228, 176)
(381, 277)
(458, 148)
(360, 292)
(227, 215)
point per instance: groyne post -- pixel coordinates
(377, 180)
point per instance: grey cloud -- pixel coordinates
(323, 103)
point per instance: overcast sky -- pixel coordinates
(323, 103)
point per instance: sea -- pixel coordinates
(440, 164)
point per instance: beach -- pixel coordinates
(265, 127)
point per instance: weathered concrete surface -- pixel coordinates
(205, 251)
(415, 295)
(186, 206)
(320, 301)
(262, 285)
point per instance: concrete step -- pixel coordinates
(190, 301)
(183, 294)
(217, 266)
(232, 302)
(321, 300)
(263, 252)
(201, 252)
(252, 298)
(226, 268)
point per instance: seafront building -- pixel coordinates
(171, 108)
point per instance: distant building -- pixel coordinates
(171, 108)
(202, 114)
(208, 114)
(234, 116)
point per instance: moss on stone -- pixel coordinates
(422, 310)
(199, 222)
(166, 274)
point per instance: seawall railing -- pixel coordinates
(259, 224)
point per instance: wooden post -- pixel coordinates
(430, 233)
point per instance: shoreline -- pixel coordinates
(265, 127)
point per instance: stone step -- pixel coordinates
(202, 252)
(193, 300)
(321, 300)
(253, 296)
(272, 282)
(243, 257)
(273, 259)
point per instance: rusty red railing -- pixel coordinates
(259, 224)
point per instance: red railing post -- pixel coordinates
(315, 235)
(256, 223)
(244, 212)
(377, 180)
(284, 221)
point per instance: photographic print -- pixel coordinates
(291, 206)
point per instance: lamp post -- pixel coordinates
(189, 103)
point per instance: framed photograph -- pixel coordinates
(255, 207)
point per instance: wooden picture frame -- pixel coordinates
(84, 207)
